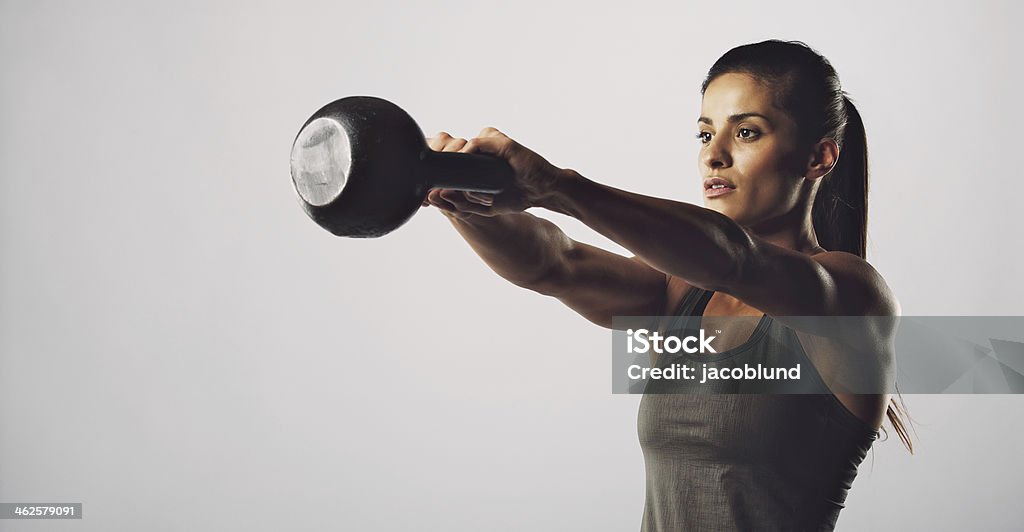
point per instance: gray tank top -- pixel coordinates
(736, 460)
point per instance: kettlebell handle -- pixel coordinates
(472, 172)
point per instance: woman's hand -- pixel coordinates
(534, 177)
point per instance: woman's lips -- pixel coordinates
(716, 192)
(717, 186)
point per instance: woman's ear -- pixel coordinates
(824, 157)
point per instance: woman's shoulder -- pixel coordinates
(864, 290)
(853, 286)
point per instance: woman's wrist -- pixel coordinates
(560, 196)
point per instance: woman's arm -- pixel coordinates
(704, 247)
(712, 251)
(534, 253)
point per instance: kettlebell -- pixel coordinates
(361, 167)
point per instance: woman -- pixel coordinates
(783, 165)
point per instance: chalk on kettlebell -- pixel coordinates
(361, 167)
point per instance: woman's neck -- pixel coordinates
(793, 230)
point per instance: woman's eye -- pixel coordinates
(704, 137)
(747, 133)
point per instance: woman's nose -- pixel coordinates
(716, 154)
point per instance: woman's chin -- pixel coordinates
(718, 206)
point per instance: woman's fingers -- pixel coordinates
(461, 203)
(442, 141)
(481, 198)
(446, 199)
(494, 144)
(456, 201)
(489, 140)
(435, 199)
(438, 141)
(491, 132)
(454, 144)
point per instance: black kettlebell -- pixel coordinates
(361, 167)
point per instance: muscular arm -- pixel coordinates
(711, 251)
(673, 240)
(534, 253)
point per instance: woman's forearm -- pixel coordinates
(702, 246)
(524, 249)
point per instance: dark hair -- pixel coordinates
(806, 87)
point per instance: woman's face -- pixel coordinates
(751, 145)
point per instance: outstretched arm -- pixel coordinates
(535, 254)
(701, 246)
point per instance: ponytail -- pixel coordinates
(840, 211)
(840, 217)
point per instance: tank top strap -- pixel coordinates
(693, 302)
(683, 318)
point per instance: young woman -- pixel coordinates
(783, 165)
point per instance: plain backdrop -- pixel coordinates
(181, 348)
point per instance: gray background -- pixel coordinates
(182, 349)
